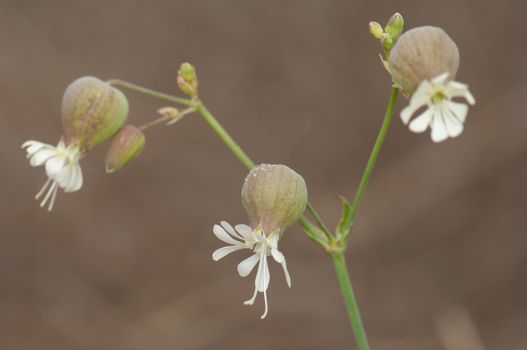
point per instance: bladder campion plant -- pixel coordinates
(422, 64)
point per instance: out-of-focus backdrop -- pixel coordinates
(439, 253)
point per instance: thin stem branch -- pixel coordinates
(225, 137)
(373, 158)
(155, 122)
(150, 92)
(320, 222)
(350, 300)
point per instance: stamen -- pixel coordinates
(53, 196)
(265, 292)
(52, 189)
(37, 196)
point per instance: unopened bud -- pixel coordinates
(422, 53)
(169, 112)
(376, 30)
(92, 112)
(187, 79)
(274, 196)
(125, 147)
(395, 26)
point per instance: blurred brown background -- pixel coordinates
(439, 254)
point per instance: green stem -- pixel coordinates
(351, 302)
(320, 222)
(150, 92)
(225, 137)
(373, 159)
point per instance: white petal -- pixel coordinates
(222, 235)
(263, 277)
(245, 231)
(453, 125)
(55, 165)
(422, 122)
(280, 258)
(246, 266)
(470, 99)
(459, 110)
(419, 99)
(457, 89)
(76, 181)
(440, 79)
(439, 131)
(32, 146)
(64, 176)
(41, 156)
(230, 230)
(224, 251)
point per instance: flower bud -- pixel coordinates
(376, 30)
(422, 53)
(92, 112)
(395, 26)
(187, 79)
(274, 197)
(125, 147)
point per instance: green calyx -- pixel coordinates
(275, 196)
(92, 112)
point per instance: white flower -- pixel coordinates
(62, 168)
(243, 237)
(443, 116)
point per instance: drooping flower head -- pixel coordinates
(274, 197)
(424, 63)
(92, 112)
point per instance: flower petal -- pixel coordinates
(280, 258)
(419, 99)
(440, 79)
(55, 165)
(222, 235)
(422, 121)
(224, 251)
(453, 125)
(230, 230)
(32, 145)
(41, 156)
(76, 181)
(247, 265)
(262, 277)
(459, 110)
(245, 231)
(439, 131)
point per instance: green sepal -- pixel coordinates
(345, 224)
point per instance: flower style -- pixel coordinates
(444, 116)
(243, 237)
(62, 168)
